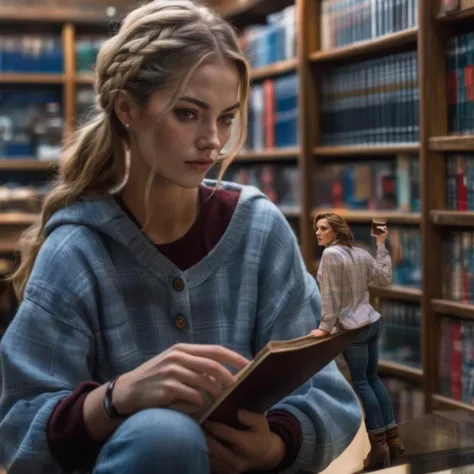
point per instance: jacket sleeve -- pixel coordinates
(46, 352)
(289, 306)
(331, 289)
(380, 268)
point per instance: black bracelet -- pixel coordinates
(109, 406)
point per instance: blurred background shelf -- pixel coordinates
(364, 49)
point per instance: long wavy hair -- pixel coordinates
(160, 43)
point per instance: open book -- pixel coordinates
(276, 371)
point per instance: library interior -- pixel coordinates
(356, 107)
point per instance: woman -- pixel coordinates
(344, 274)
(144, 288)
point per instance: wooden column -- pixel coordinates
(433, 121)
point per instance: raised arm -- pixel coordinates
(380, 268)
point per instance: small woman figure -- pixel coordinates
(344, 274)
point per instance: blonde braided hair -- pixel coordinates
(160, 43)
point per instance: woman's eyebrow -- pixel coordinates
(206, 106)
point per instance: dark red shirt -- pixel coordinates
(69, 440)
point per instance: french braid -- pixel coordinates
(158, 44)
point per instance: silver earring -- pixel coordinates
(126, 125)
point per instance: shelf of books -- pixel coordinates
(400, 370)
(44, 93)
(360, 150)
(452, 143)
(278, 68)
(271, 155)
(371, 46)
(446, 36)
(462, 308)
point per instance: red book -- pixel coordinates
(456, 360)
(461, 184)
(269, 112)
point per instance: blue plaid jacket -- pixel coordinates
(100, 301)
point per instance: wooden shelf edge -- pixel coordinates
(17, 218)
(33, 78)
(393, 217)
(455, 16)
(453, 308)
(84, 78)
(447, 402)
(26, 164)
(452, 143)
(269, 154)
(8, 248)
(397, 292)
(452, 218)
(356, 150)
(247, 12)
(56, 15)
(380, 44)
(275, 69)
(400, 370)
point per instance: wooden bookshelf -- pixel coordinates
(368, 150)
(274, 70)
(11, 78)
(452, 218)
(451, 404)
(453, 17)
(452, 143)
(363, 49)
(397, 293)
(61, 14)
(269, 154)
(393, 217)
(248, 12)
(84, 79)
(26, 164)
(8, 247)
(66, 21)
(402, 371)
(17, 218)
(453, 308)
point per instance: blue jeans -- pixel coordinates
(155, 441)
(362, 358)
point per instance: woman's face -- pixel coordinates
(190, 136)
(324, 232)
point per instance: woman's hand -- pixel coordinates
(318, 333)
(380, 238)
(234, 451)
(176, 379)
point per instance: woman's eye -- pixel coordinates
(185, 115)
(227, 119)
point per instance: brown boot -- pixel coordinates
(394, 442)
(379, 455)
